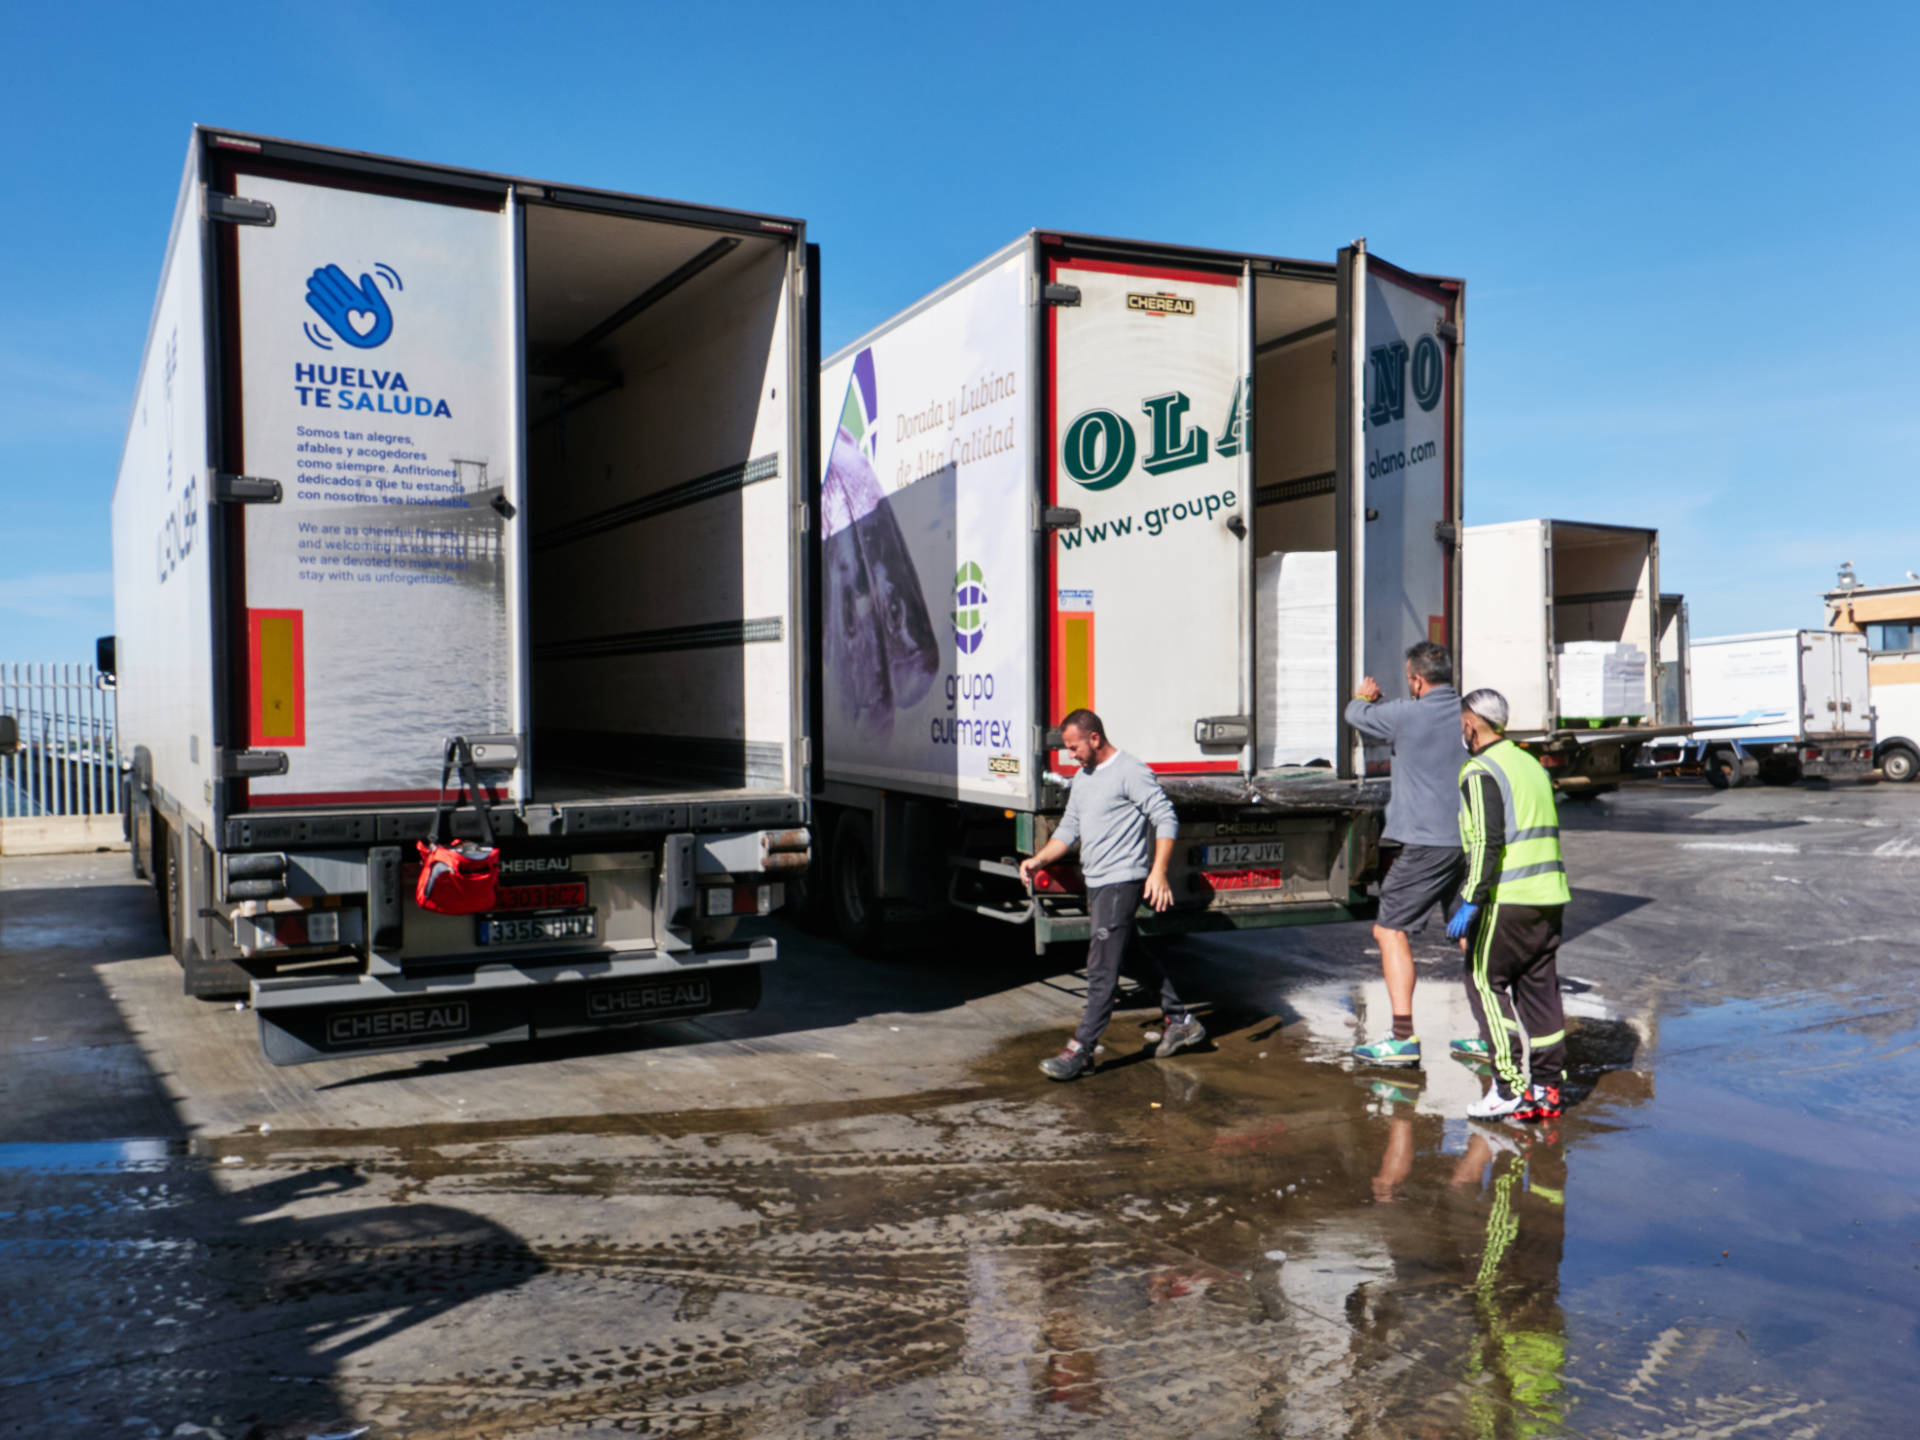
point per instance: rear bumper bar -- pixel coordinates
(1054, 928)
(307, 1018)
(1840, 764)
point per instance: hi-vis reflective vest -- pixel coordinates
(1531, 870)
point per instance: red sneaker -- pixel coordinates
(1542, 1103)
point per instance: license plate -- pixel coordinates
(536, 929)
(565, 895)
(1244, 879)
(1261, 852)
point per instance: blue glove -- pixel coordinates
(1462, 920)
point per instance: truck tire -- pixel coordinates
(856, 909)
(1723, 769)
(1898, 764)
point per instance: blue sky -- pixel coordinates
(1685, 230)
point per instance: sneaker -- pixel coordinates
(1500, 1139)
(1389, 1093)
(1542, 1103)
(1495, 1106)
(1181, 1034)
(1070, 1064)
(1389, 1052)
(1468, 1051)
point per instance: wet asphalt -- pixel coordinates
(862, 1212)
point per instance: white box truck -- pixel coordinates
(1567, 621)
(1889, 617)
(419, 452)
(1200, 493)
(1779, 706)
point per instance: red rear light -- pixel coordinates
(1553, 762)
(1062, 879)
(753, 898)
(1812, 754)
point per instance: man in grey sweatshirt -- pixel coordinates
(1125, 827)
(1422, 821)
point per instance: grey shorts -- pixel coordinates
(1421, 877)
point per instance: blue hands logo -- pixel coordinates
(357, 314)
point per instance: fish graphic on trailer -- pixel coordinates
(882, 653)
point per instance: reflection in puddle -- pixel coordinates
(85, 1156)
(1254, 1239)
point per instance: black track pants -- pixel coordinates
(1111, 908)
(1514, 983)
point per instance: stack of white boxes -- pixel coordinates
(1296, 654)
(1602, 679)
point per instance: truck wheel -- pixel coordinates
(1898, 764)
(1723, 770)
(856, 909)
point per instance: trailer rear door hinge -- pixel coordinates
(495, 752)
(1235, 730)
(1060, 517)
(1060, 294)
(1447, 331)
(246, 764)
(246, 489)
(1446, 532)
(238, 210)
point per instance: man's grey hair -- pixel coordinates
(1431, 662)
(1490, 706)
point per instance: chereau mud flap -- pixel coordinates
(337, 1017)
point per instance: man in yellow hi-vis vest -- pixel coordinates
(1509, 917)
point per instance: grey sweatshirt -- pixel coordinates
(1115, 811)
(1424, 806)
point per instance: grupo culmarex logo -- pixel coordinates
(355, 313)
(969, 608)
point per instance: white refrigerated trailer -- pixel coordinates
(1542, 597)
(1779, 706)
(1200, 493)
(420, 452)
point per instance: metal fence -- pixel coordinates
(68, 762)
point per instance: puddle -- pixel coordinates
(91, 1156)
(1249, 1238)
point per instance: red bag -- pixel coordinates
(458, 878)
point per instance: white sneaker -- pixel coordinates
(1500, 1140)
(1494, 1106)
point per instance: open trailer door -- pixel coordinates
(1148, 580)
(374, 438)
(1397, 461)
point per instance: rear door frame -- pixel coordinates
(1352, 266)
(1053, 250)
(229, 158)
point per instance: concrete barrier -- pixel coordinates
(60, 834)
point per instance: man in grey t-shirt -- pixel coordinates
(1125, 827)
(1422, 821)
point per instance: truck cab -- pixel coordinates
(1889, 618)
